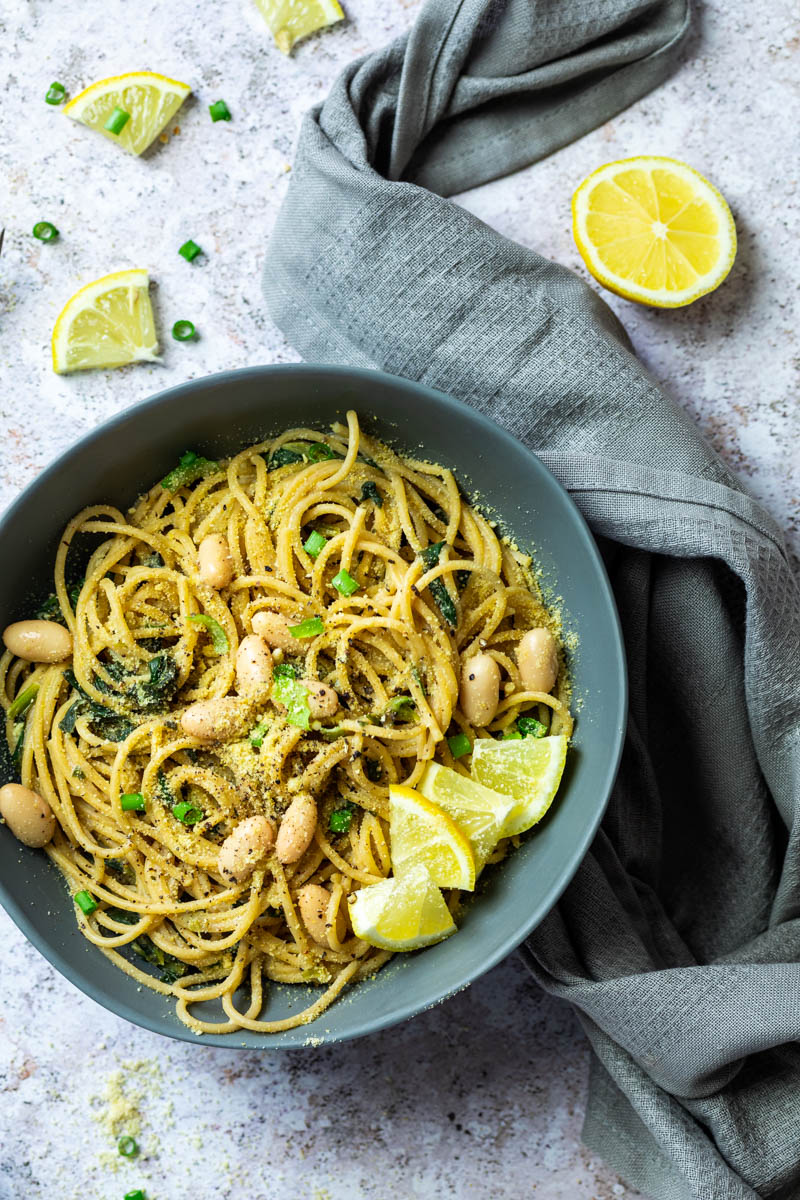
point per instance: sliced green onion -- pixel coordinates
(219, 638)
(340, 819)
(459, 745)
(138, 1194)
(219, 111)
(128, 1147)
(55, 93)
(398, 703)
(286, 671)
(293, 695)
(511, 735)
(417, 675)
(306, 629)
(530, 727)
(320, 452)
(314, 543)
(190, 250)
(186, 813)
(85, 902)
(344, 583)
(45, 231)
(184, 331)
(190, 467)
(258, 733)
(117, 121)
(23, 701)
(131, 802)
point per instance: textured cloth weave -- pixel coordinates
(678, 940)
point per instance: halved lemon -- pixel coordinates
(528, 770)
(108, 323)
(402, 913)
(478, 811)
(150, 101)
(653, 229)
(422, 834)
(291, 20)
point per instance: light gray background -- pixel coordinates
(485, 1094)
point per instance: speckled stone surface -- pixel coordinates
(483, 1095)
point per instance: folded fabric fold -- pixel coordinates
(678, 941)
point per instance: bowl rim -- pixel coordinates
(405, 1010)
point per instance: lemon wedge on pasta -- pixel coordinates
(422, 834)
(479, 812)
(528, 770)
(401, 913)
(108, 323)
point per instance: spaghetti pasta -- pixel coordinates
(372, 581)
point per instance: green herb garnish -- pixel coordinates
(23, 701)
(307, 629)
(219, 638)
(344, 583)
(132, 802)
(437, 587)
(55, 94)
(314, 543)
(189, 250)
(117, 121)
(459, 745)
(85, 902)
(341, 818)
(190, 468)
(258, 733)
(186, 813)
(530, 727)
(369, 491)
(171, 968)
(282, 457)
(293, 695)
(219, 111)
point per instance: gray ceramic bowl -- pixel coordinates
(218, 416)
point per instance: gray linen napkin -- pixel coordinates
(678, 941)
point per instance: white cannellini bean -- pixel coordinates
(480, 689)
(38, 641)
(253, 667)
(219, 720)
(537, 659)
(274, 629)
(214, 561)
(323, 700)
(296, 829)
(242, 850)
(312, 901)
(28, 816)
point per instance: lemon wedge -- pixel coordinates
(291, 20)
(402, 913)
(528, 770)
(107, 323)
(654, 230)
(478, 812)
(422, 834)
(150, 101)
